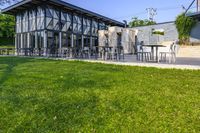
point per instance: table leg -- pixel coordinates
(157, 60)
(152, 52)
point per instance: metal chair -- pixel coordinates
(170, 53)
(142, 54)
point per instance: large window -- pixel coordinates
(18, 37)
(32, 40)
(94, 41)
(77, 42)
(40, 39)
(66, 21)
(94, 28)
(102, 26)
(18, 23)
(66, 40)
(86, 26)
(40, 18)
(25, 40)
(52, 19)
(25, 21)
(77, 25)
(32, 20)
(86, 41)
(49, 39)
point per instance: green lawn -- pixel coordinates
(7, 46)
(39, 96)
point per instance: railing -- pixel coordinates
(68, 52)
(7, 51)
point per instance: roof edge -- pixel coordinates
(61, 2)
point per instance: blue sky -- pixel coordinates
(126, 9)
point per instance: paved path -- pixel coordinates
(130, 60)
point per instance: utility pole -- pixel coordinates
(198, 5)
(152, 12)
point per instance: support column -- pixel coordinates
(28, 40)
(21, 46)
(36, 40)
(28, 44)
(45, 43)
(72, 40)
(60, 43)
(91, 45)
(16, 51)
(82, 41)
(72, 45)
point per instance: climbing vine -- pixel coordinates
(184, 26)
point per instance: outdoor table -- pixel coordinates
(153, 46)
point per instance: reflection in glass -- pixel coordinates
(66, 21)
(77, 26)
(66, 40)
(52, 19)
(94, 28)
(86, 41)
(86, 26)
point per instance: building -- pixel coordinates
(54, 24)
(118, 36)
(145, 33)
(195, 13)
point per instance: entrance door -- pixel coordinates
(77, 41)
(53, 43)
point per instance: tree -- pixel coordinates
(139, 22)
(7, 24)
(184, 26)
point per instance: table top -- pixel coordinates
(153, 45)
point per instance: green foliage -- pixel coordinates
(184, 26)
(158, 33)
(46, 96)
(7, 26)
(138, 22)
(4, 41)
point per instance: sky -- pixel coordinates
(120, 10)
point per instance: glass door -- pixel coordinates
(53, 43)
(77, 41)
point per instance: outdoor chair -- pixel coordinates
(116, 53)
(169, 54)
(121, 53)
(101, 52)
(143, 54)
(86, 52)
(94, 52)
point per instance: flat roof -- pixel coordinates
(25, 4)
(194, 15)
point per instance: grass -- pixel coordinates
(7, 46)
(39, 95)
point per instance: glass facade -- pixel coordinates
(94, 28)
(66, 22)
(40, 18)
(77, 24)
(52, 19)
(47, 23)
(32, 20)
(66, 40)
(86, 26)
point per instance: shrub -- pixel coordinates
(184, 26)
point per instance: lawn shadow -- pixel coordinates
(11, 63)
